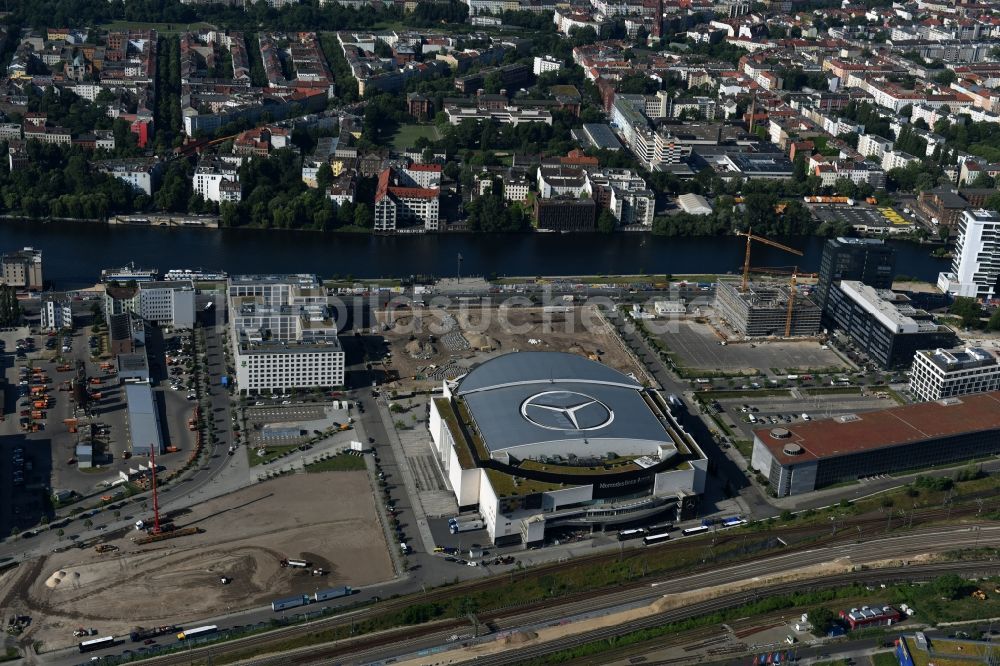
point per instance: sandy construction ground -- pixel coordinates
(432, 345)
(328, 519)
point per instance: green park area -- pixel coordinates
(406, 135)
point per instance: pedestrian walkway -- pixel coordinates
(403, 462)
(436, 493)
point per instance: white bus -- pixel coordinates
(656, 538)
(701, 529)
(625, 535)
(97, 644)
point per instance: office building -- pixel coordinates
(762, 310)
(508, 115)
(56, 315)
(884, 325)
(940, 373)
(543, 440)
(565, 213)
(284, 334)
(810, 455)
(23, 269)
(866, 260)
(975, 268)
(167, 303)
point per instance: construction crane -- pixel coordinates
(760, 239)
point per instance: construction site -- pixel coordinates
(426, 347)
(771, 306)
(232, 552)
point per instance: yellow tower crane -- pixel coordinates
(760, 239)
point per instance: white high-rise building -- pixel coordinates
(939, 373)
(975, 269)
(546, 64)
(56, 315)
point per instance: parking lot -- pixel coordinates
(698, 347)
(853, 215)
(749, 412)
(53, 366)
(292, 424)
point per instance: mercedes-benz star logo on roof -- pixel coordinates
(566, 410)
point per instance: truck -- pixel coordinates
(297, 564)
(289, 602)
(140, 634)
(467, 526)
(454, 520)
(333, 593)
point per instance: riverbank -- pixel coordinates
(74, 254)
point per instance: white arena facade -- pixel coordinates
(539, 440)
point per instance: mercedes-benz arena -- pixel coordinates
(537, 440)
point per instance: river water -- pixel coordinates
(75, 253)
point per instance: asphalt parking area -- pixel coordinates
(698, 347)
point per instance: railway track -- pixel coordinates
(524, 655)
(821, 539)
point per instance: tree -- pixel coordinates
(945, 77)
(363, 216)
(949, 586)
(994, 323)
(324, 175)
(10, 307)
(822, 619)
(606, 221)
(968, 309)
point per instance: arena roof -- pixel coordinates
(846, 435)
(537, 404)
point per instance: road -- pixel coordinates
(370, 649)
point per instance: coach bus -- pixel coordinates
(733, 521)
(97, 644)
(625, 535)
(701, 529)
(197, 631)
(656, 538)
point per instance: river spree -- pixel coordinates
(75, 253)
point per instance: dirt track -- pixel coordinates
(328, 519)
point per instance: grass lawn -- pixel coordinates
(341, 463)
(272, 453)
(884, 659)
(162, 28)
(406, 135)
